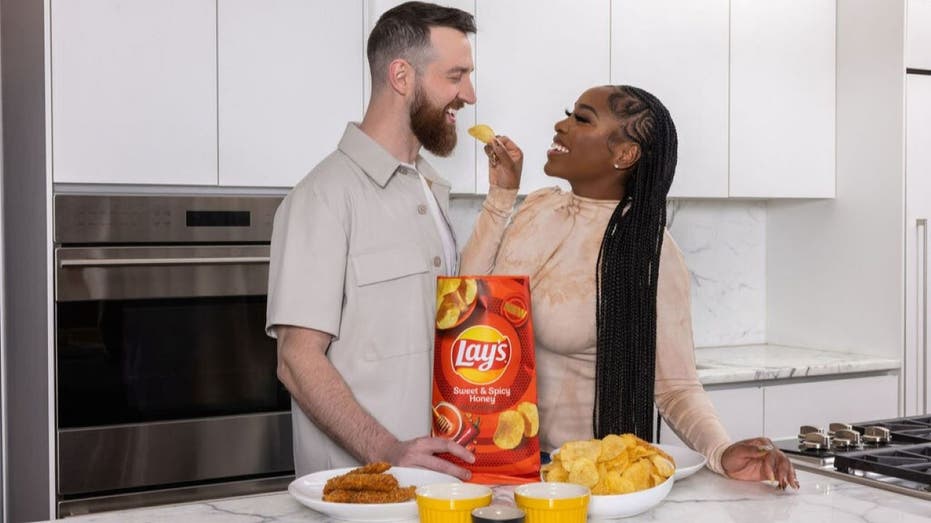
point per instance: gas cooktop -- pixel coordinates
(894, 454)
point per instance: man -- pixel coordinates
(356, 249)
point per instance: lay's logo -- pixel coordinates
(481, 354)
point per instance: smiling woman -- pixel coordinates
(603, 247)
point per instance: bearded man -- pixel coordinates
(355, 252)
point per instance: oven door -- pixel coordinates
(165, 376)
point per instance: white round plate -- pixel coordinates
(688, 461)
(309, 491)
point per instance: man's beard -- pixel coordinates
(429, 125)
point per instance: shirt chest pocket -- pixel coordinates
(394, 293)
(388, 264)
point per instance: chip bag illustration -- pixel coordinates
(484, 376)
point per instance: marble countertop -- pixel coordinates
(742, 363)
(703, 497)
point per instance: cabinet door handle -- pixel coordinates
(921, 228)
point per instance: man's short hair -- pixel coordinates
(404, 32)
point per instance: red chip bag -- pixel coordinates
(484, 376)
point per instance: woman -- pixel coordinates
(613, 333)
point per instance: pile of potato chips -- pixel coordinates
(454, 296)
(515, 425)
(613, 465)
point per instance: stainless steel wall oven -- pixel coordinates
(165, 381)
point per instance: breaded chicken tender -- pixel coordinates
(367, 484)
(361, 481)
(396, 495)
(372, 468)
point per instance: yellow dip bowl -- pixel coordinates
(451, 502)
(553, 502)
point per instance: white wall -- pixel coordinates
(724, 245)
(835, 267)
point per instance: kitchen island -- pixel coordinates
(703, 497)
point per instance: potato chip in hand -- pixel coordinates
(482, 133)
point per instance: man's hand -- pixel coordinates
(327, 400)
(505, 163)
(421, 452)
(757, 459)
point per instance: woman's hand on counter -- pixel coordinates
(757, 459)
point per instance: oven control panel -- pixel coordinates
(141, 219)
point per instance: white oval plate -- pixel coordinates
(688, 461)
(309, 491)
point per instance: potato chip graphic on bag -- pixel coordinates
(455, 298)
(531, 418)
(482, 133)
(510, 431)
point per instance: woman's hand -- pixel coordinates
(505, 163)
(758, 459)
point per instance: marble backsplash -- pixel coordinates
(724, 244)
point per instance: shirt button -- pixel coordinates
(437, 261)
(421, 209)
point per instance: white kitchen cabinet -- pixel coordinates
(679, 51)
(782, 98)
(134, 91)
(918, 35)
(459, 168)
(290, 78)
(788, 406)
(777, 410)
(533, 60)
(740, 410)
(916, 398)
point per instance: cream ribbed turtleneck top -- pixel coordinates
(554, 238)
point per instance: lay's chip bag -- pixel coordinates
(484, 376)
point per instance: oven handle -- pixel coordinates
(111, 262)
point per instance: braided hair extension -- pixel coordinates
(628, 270)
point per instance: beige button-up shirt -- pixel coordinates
(354, 254)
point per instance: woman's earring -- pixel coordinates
(618, 167)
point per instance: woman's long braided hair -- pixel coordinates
(628, 270)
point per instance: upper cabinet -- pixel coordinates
(534, 59)
(290, 78)
(918, 35)
(749, 85)
(678, 50)
(134, 91)
(782, 98)
(254, 94)
(459, 167)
